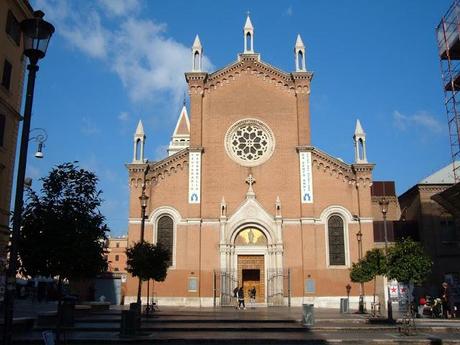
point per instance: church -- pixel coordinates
(244, 198)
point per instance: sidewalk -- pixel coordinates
(27, 308)
(272, 325)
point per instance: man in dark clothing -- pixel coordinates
(447, 303)
(241, 298)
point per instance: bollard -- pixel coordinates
(344, 305)
(308, 314)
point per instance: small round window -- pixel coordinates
(249, 142)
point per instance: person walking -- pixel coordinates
(241, 298)
(252, 297)
(235, 296)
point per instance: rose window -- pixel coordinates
(249, 142)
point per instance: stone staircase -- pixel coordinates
(259, 326)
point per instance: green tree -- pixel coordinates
(63, 232)
(368, 268)
(148, 261)
(360, 272)
(407, 262)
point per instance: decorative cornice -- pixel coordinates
(332, 162)
(338, 168)
(359, 167)
(158, 170)
(250, 63)
(196, 76)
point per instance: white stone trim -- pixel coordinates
(309, 220)
(326, 213)
(176, 217)
(332, 302)
(291, 221)
(175, 301)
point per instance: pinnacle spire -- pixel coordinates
(140, 129)
(359, 129)
(299, 42)
(248, 24)
(197, 43)
(181, 136)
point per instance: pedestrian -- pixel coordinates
(252, 296)
(447, 303)
(235, 297)
(241, 298)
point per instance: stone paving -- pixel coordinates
(251, 326)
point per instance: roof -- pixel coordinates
(183, 124)
(450, 199)
(442, 176)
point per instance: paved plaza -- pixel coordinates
(261, 325)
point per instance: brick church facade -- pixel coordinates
(245, 199)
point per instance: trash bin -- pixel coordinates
(128, 324)
(344, 305)
(308, 315)
(68, 311)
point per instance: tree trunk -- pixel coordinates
(59, 312)
(375, 288)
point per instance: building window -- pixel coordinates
(336, 240)
(13, 28)
(117, 244)
(117, 257)
(6, 77)
(116, 269)
(448, 231)
(165, 234)
(2, 129)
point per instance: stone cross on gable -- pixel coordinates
(250, 180)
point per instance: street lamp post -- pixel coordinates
(384, 208)
(144, 199)
(359, 237)
(36, 33)
(40, 138)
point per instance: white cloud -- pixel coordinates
(149, 63)
(420, 119)
(289, 11)
(120, 7)
(123, 116)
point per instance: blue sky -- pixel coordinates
(113, 62)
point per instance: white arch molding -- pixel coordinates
(176, 217)
(347, 218)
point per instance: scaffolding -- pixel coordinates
(448, 38)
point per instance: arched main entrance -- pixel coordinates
(249, 258)
(251, 249)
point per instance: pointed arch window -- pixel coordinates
(300, 60)
(336, 241)
(138, 149)
(248, 42)
(165, 234)
(196, 61)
